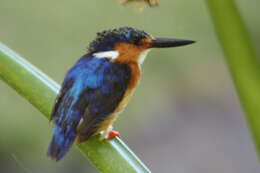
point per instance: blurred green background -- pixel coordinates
(185, 115)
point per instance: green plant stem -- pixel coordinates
(109, 157)
(241, 58)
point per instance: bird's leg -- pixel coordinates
(106, 128)
(112, 134)
(109, 133)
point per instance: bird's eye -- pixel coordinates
(136, 41)
(141, 42)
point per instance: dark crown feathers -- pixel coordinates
(105, 40)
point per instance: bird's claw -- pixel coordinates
(112, 134)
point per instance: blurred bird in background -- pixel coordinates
(151, 3)
(98, 87)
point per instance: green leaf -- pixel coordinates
(241, 58)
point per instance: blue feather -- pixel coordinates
(94, 84)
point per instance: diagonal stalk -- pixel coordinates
(40, 90)
(241, 58)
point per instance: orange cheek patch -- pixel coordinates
(127, 52)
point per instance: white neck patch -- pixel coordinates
(142, 56)
(113, 54)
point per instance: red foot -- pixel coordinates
(113, 134)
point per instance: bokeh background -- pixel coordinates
(185, 115)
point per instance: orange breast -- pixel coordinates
(135, 78)
(129, 54)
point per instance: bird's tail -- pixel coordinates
(61, 142)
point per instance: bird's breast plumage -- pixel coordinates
(134, 80)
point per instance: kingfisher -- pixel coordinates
(99, 86)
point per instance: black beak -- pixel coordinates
(168, 42)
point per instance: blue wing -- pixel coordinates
(92, 89)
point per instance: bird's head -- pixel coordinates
(128, 44)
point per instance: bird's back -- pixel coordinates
(92, 90)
